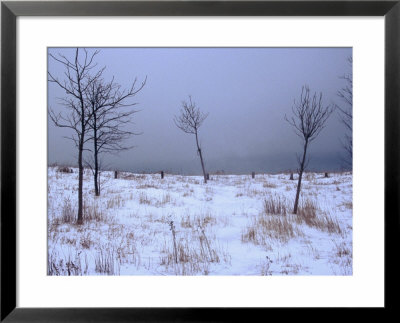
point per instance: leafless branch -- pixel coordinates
(189, 121)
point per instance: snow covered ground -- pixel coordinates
(233, 225)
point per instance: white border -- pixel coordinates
(364, 288)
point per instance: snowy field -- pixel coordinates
(233, 225)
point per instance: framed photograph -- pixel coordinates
(168, 160)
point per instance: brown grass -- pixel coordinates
(146, 186)
(265, 227)
(348, 204)
(269, 184)
(275, 205)
(197, 220)
(92, 212)
(115, 202)
(105, 262)
(68, 213)
(66, 266)
(194, 255)
(64, 169)
(144, 199)
(307, 213)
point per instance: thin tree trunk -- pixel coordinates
(81, 142)
(99, 182)
(201, 159)
(96, 178)
(80, 183)
(96, 161)
(296, 202)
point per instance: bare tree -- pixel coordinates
(110, 114)
(189, 121)
(346, 114)
(308, 119)
(76, 115)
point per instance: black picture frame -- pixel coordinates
(10, 10)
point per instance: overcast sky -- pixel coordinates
(246, 91)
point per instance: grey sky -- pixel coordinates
(246, 91)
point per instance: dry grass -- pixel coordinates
(106, 263)
(165, 199)
(254, 192)
(307, 210)
(64, 169)
(146, 186)
(115, 202)
(269, 185)
(188, 193)
(86, 241)
(66, 266)
(348, 204)
(144, 199)
(307, 213)
(68, 213)
(344, 258)
(134, 177)
(267, 227)
(195, 254)
(197, 220)
(275, 205)
(92, 212)
(276, 222)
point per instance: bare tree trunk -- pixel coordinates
(80, 155)
(96, 177)
(99, 182)
(96, 158)
(80, 183)
(201, 159)
(296, 202)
